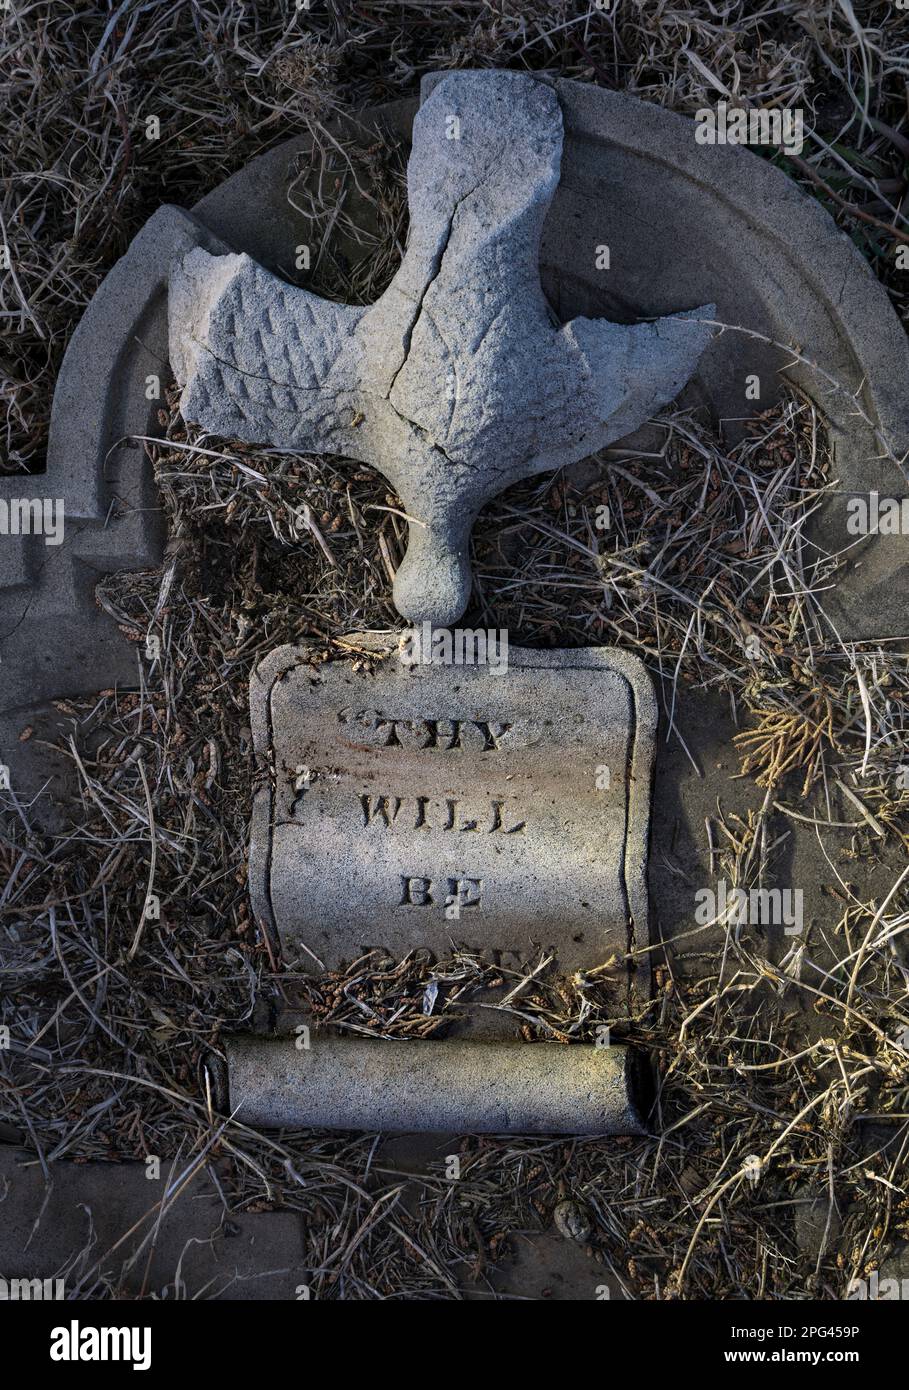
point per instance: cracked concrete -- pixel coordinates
(118, 1227)
(459, 381)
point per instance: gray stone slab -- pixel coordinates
(100, 1228)
(413, 805)
(545, 1266)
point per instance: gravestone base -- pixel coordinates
(407, 805)
(435, 1087)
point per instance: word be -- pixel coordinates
(424, 892)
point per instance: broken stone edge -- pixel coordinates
(775, 208)
(54, 639)
(278, 663)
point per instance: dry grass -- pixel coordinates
(116, 1068)
(112, 1016)
(228, 79)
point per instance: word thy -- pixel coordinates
(474, 735)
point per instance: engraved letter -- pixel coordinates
(371, 811)
(417, 892)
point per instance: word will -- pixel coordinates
(427, 813)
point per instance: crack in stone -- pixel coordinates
(436, 272)
(354, 391)
(270, 380)
(547, 394)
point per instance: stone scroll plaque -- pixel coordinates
(414, 805)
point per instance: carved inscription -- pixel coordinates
(412, 807)
(372, 729)
(451, 892)
(433, 813)
(384, 811)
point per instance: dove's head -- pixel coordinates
(493, 137)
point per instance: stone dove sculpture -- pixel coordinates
(459, 380)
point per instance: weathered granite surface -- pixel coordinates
(459, 381)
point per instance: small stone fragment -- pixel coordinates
(572, 1222)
